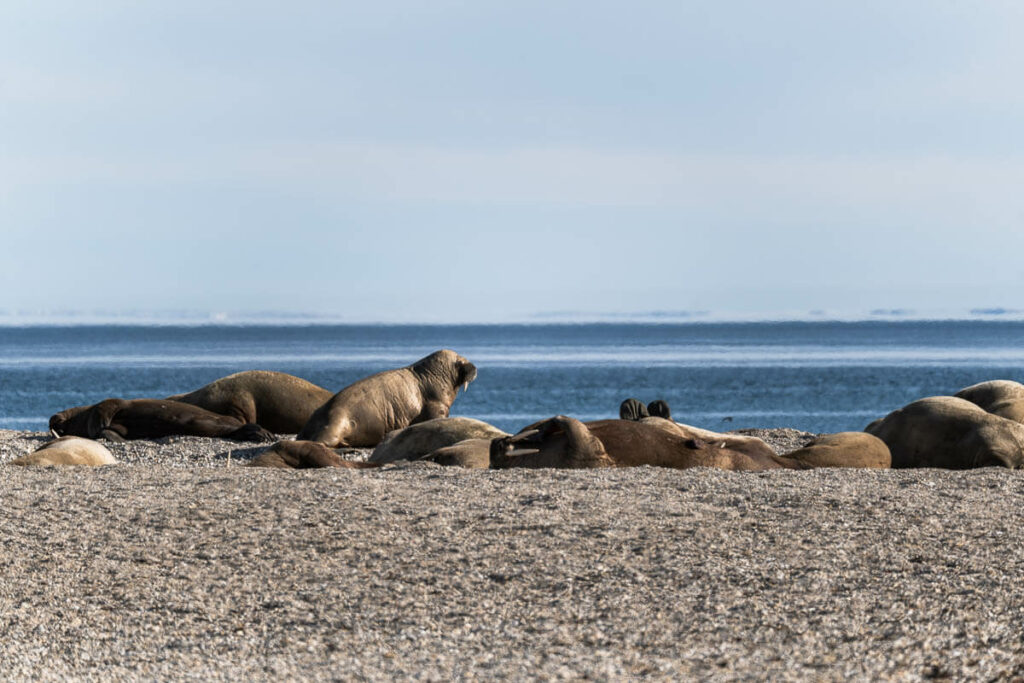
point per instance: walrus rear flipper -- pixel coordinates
(111, 435)
(251, 431)
(659, 408)
(632, 409)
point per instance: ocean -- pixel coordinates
(815, 376)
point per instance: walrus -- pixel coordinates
(471, 453)
(751, 445)
(844, 449)
(362, 413)
(418, 440)
(118, 419)
(565, 442)
(949, 432)
(68, 450)
(985, 394)
(301, 455)
(1002, 397)
(278, 402)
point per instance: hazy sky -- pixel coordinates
(477, 161)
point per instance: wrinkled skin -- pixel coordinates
(949, 432)
(117, 419)
(564, 442)
(988, 394)
(418, 440)
(302, 455)
(68, 450)
(471, 453)
(276, 401)
(750, 445)
(362, 413)
(844, 449)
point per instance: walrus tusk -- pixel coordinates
(54, 432)
(519, 452)
(465, 387)
(524, 435)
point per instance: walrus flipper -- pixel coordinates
(659, 408)
(251, 431)
(632, 409)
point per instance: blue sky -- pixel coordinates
(478, 161)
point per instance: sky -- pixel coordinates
(485, 161)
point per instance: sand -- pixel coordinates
(182, 564)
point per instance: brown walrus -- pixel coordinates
(471, 453)
(421, 439)
(362, 413)
(751, 445)
(1002, 397)
(68, 450)
(568, 443)
(949, 432)
(844, 449)
(276, 401)
(301, 455)
(118, 419)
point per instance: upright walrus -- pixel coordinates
(276, 401)
(361, 414)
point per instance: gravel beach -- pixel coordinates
(180, 563)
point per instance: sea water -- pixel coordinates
(815, 376)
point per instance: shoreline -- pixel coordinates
(193, 569)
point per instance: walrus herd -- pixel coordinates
(403, 413)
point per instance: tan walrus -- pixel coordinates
(362, 413)
(565, 442)
(949, 432)
(118, 419)
(1002, 397)
(419, 440)
(844, 449)
(657, 414)
(68, 450)
(278, 402)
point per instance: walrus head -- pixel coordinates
(447, 365)
(68, 421)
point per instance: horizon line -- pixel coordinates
(287, 319)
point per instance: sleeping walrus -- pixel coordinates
(276, 401)
(1002, 397)
(118, 419)
(419, 440)
(362, 413)
(68, 450)
(564, 442)
(568, 443)
(949, 432)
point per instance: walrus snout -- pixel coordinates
(57, 423)
(467, 373)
